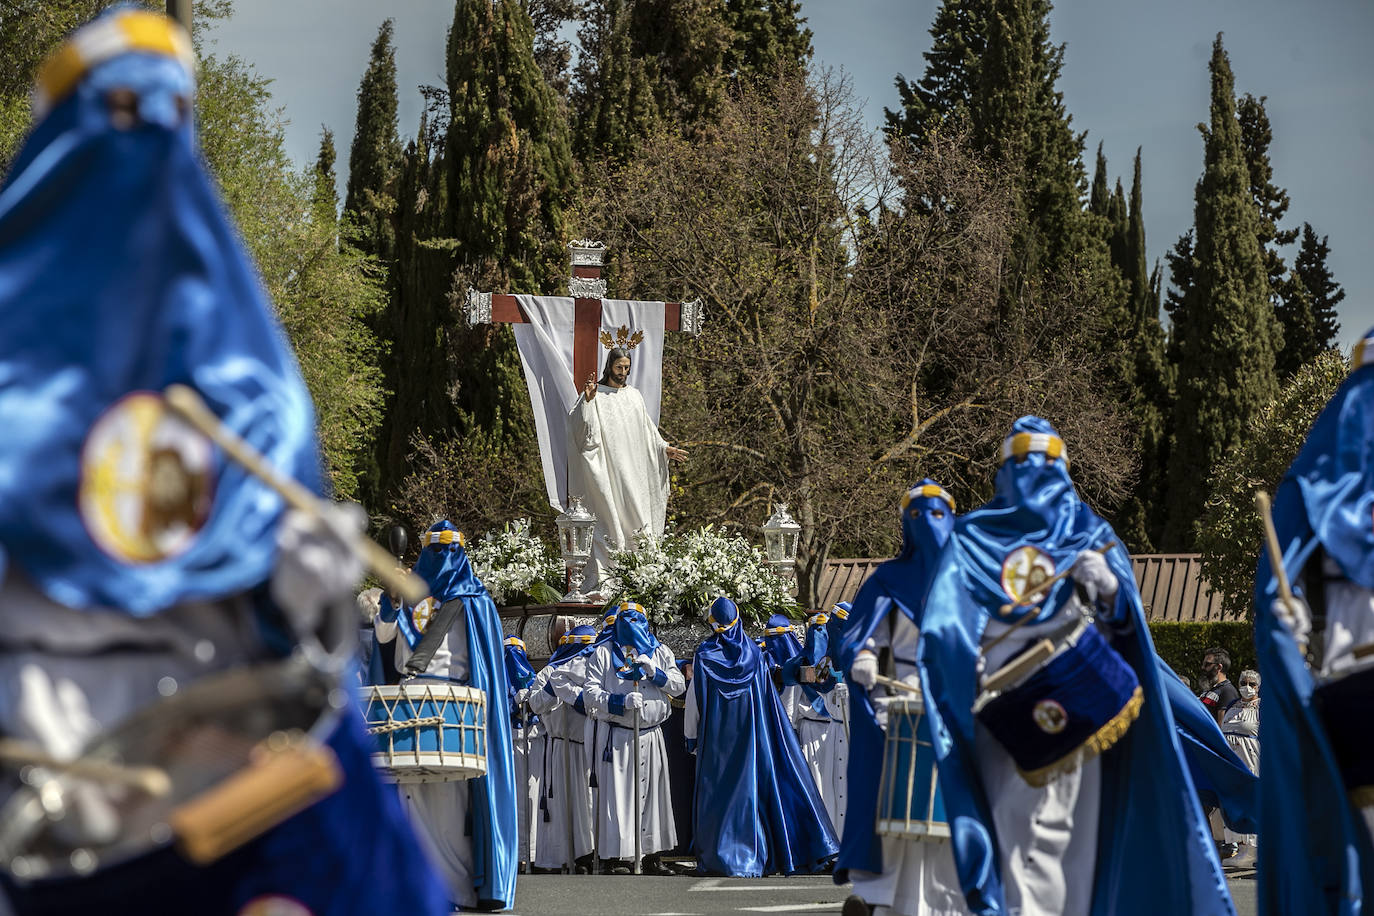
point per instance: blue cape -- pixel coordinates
(632, 639)
(782, 644)
(815, 649)
(896, 586)
(519, 675)
(1316, 856)
(120, 274)
(1149, 806)
(757, 808)
(495, 842)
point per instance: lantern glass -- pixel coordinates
(575, 529)
(781, 535)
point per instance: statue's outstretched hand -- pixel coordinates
(589, 389)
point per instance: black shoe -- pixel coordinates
(1228, 850)
(584, 865)
(653, 865)
(854, 905)
(618, 867)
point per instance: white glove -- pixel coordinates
(634, 700)
(1091, 571)
(316, 564)
(646, 664)
(1296, 616)
(864, 671)
(522, 695)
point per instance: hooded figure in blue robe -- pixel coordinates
(820, 713)
(757, 809)
(898, 586)
(121, 274)
(1317, 786)
(444, 566)
(1153, 849)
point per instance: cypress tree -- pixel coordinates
(375, 154)
(622, 108)
(1271, 201)
(767, 35)
(1144, 304)
(1098, 199)
(1226, 350)
(1314, 310)
(509, 171)
(326, 195)
(951, 78)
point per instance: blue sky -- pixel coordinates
(1135, 74)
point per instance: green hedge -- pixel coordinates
(1182, 644)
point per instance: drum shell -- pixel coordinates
(909, 800)
(411, 746)
(1076, 705)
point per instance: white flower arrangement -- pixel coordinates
(513, 562)
(676, 576)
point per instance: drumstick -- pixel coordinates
(899, 685)
(150, 780)
(1271, 540)
(1038, 592)
(188, 405)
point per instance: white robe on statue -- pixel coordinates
(613, 736)
(439, 810)
(919, 877)
(565, 807)
(825, 748)
(618, 463)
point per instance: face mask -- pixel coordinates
(1247, 692)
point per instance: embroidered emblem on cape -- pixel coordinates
(1024, 569)
(622, 339)
(146, 483)
(274, 905)
(1050, 717)
(423, 613)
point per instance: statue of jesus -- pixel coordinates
(617, 461)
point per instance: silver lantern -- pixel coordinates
(575, 527)
(781, 536)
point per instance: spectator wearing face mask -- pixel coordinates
(1217, 690)
(1240, 725)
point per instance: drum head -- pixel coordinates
(199, 736)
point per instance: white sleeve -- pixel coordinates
(583, 430)
(691, 722)
(596, 697)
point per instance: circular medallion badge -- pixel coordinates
(146, 480)
(1023, 570)
(423, 613)
(1050, 717)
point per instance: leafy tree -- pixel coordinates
(622, 108)
(1271, 201)
(831, 375)
(553, 52)
(1229, 531)
(768, 35)
(375, 155)
(1227, 343)
(322, 291)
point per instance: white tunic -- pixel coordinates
(618, 463)
(612, 736)
(565, 809)
(527, 750)
(1046, 836)
(1349, 625)
(824, 739)
(438, 810)
(919, 876)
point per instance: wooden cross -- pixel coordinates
(588, 290)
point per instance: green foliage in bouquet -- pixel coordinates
(517, 567)
(677, 576)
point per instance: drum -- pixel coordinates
(909, 802)
(238, 753)
(1056, 705)
(427, 730)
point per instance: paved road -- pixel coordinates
(608, 895)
